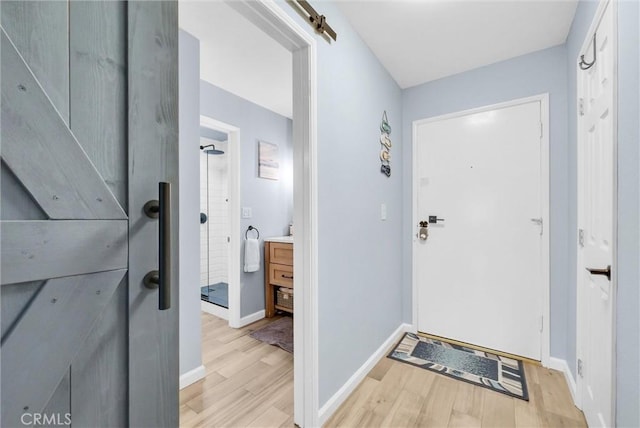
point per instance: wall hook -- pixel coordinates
(584, 65)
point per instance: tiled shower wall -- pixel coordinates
(214, 269)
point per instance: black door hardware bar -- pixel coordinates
(161, 209)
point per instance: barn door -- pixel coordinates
(89, 128)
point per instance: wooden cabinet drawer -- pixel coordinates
(280, 253)
(281, 275)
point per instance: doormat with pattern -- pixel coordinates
(278, 333)
(501, 374)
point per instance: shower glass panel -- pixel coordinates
(214, 232)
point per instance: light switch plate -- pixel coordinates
(383, 211)
(246, 212)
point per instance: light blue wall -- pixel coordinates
(271, 201)
(189, 225)
(535, 73)
(540, 72)
(360, 260)
(628, 315)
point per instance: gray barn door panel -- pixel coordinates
(33, 250)
(43, 153)
(153, 157)
(60, 403)
(89, 128)
(98, 71)
(15, 202)
(40, 31)
(102, 360)
(15, 300)
(38, 351)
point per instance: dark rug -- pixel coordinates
(278, 333)
(501, 374)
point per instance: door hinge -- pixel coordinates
(580, 368)
(581, 106)
(541, 129)
(581, 237)
(228, 239)
(539, 222)
(541, 323)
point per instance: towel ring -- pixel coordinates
(251, 228)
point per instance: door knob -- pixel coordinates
(604, 272)
(423, 233)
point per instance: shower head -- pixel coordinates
(212, 150)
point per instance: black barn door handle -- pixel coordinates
(606, 272)
(161, 278)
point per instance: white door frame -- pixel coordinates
(273, 20)
(614, 220)
(234, 263)
(544, 188)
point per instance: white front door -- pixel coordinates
(479, 272)
(596, 122)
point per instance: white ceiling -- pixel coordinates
(237, 56)
(416, 40)
(422, 40)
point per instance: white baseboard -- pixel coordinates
(256, 316)
(192, 376)
(561, 365)
(343, 393)
(215, 310)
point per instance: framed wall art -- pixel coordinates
(268, 161)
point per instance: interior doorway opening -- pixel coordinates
(269, 18)
(214, 219)
(219, 210)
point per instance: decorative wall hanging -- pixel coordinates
(268, 164)
(385, 141)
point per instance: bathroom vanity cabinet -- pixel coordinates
(278, 288)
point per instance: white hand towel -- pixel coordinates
(251, 255)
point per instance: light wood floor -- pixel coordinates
(395, 394)
(250, 383)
